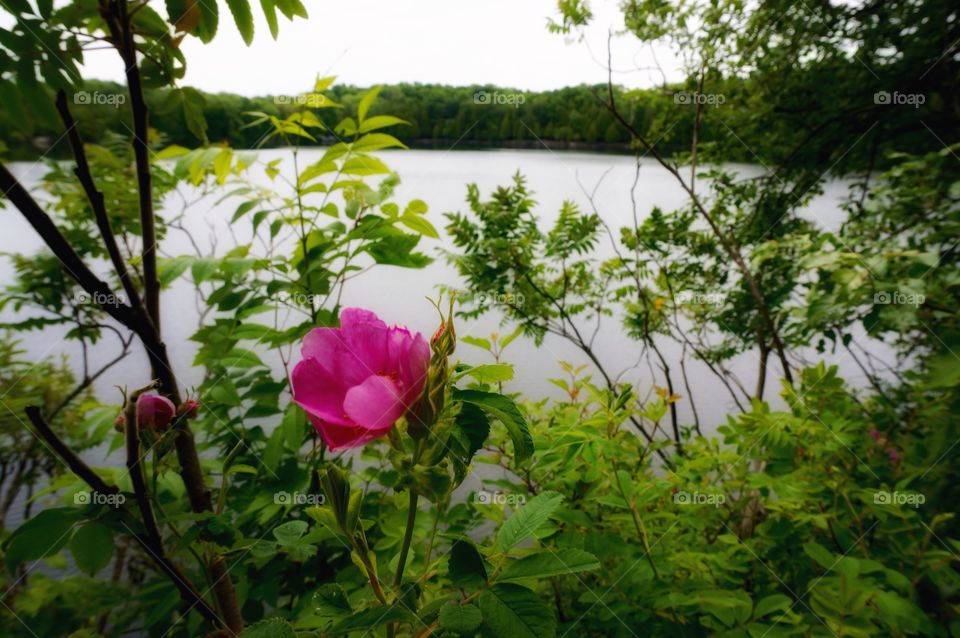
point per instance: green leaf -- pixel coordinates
(460, 618)
(366, 101)
(270, 13)
(331, 601)
(397, 250)
(168, 270)
(324, 83)
(376, 141)
(206, 28)
(364, 165)
(270, 628)
(478, 342)
(290, 8)
(290, 532)
(774, 602)
(221, 165)
(511, 610)
(472, 427)
(243, 17)
(380, 121)
(506, 411)
(416, 207)
(420, 225)
(193, 104)
(550, 563)
(490, 372)
(819, 553)
(466, 566)
(203, 269)
(526, 520)
(92, 547)
(294, 426)
(369, 619)
(42, 535)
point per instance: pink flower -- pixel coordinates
(154, 412)
(355, 381)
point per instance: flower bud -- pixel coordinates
(444, 340)
(154, 412)
(189, 408)
(431, 403)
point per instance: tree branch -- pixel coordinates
(187, 590)
(82, 171)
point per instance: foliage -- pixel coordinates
(604, 512)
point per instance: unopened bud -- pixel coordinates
(154, 412)
(189, 408)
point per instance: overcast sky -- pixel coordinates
(366, 42)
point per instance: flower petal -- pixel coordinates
(339, 437)
(154, 411)
(374, 404)
(318, 392)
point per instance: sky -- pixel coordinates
(457, 42)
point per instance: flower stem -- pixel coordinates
(407, 537)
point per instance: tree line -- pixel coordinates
(441, 116)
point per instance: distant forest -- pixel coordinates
(440, 116)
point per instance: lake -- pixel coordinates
(399, 295)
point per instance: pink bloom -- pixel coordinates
(355, 381)
(154, 412)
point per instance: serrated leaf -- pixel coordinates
(769, 604)
(506, 411)
(270, 628)
(526, 520)
(460, 618)
(330, 601)
(243, 18)
(371, 618)
(290, 532)
(517, 612)
(466, 566)
(550, 563)
(92, 547)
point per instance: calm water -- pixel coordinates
(399, 295)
